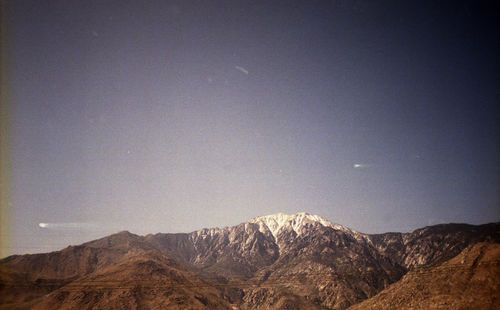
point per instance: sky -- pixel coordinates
(172, 116)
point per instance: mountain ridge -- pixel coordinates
(301, 259)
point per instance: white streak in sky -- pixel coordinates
(360, 166)
(241, 69)
(66, 225)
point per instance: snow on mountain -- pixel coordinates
(276, 222)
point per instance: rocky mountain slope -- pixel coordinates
(468, 281)
(280, 261)
(146, 281)
(116, 272)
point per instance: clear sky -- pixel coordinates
(171, 116)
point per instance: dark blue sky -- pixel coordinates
(170, 116)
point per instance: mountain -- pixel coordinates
(279, 261)
(115, 272)
(145, 281)
(467, 281)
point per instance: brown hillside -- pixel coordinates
(470, 280)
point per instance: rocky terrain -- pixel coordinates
(467, 281)
(280, 261)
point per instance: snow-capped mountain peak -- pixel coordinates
(276, 222)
